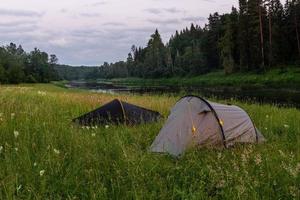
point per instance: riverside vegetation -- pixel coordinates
(44, 156)
(286, 78)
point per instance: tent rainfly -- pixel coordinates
(196, 122)
(118, 112)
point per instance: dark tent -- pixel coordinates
(118, 112)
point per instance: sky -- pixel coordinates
(90, 32)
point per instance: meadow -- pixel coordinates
(44, 156)
(285, 77)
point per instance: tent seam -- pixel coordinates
(123, 110)
(215, 114)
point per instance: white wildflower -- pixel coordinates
(16, 149)
(34, 164)
(16, 134)
(87, 127)
(281, 153)
(1, 149)
(42, 93)
(19, 188)
(93, 135)
(42, 172)
(106, 126)
(286, 126)
(56, 151)
(266, 128)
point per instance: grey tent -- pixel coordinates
(118, 112)
(196, 122)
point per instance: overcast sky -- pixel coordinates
(89, 32)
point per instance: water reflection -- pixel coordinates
(281, 97)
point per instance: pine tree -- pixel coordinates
(227, 46)
(213, 37)
(255, 27)
(155, 61)
(292, 18)
(260, 14)
(296, 17)
(276, 38)
(243, 36)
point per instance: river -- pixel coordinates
(279, 97)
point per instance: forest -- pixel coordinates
(258, 36)
(18, 66)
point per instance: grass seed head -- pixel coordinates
(42, 172)
(56, 151)
(16, 134)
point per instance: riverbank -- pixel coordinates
(288, 78)
(43, 155)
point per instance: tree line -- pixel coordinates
(260, 35)
(17, 66)
(67, 72)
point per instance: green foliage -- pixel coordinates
(155, 57)
(276, 78)
(2, 74)
(44, 156)
(15, 74)
(228, 43)
(17, 66)
(261, 33)
(67, 72)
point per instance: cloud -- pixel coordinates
(173, 10)
(157, 11)
(63, 10)
(194, 19)
(59, 42)
(210, 1)
(89, 14)
(16, 23)
(93, 31)
(164, 21)
(18, 29)
(98, 3)
(113, 24)
(153, 10)
(20, 13)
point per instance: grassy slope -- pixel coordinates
(115, 162)
(289, 78)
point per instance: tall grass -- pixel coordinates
(44, 156)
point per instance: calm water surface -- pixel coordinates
(280, 97)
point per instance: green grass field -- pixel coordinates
(44, 156)
(286, 77)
